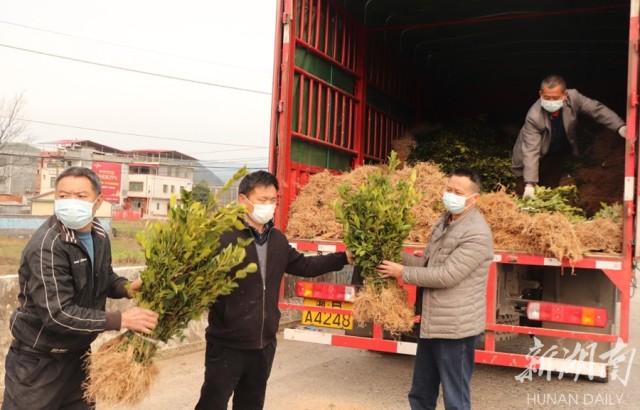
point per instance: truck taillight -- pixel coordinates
(325, 291)
(569, 314)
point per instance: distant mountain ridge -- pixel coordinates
(205, 174)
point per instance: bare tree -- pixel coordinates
(11, 125)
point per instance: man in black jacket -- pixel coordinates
(65, 278)
(241, 337)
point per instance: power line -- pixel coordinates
(232, 150)
(134, 70)
(133, 134)
(195, 166)
(159, 52)
(251, 159)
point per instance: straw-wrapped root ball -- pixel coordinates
(386, 305)
(377, 218)
(118, 373)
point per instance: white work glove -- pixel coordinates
(529, 192)
(623, 131)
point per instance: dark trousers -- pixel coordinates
(43, 381)
(241, 372)
(443, 361)
(551, 169)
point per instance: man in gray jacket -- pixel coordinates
(548, 136)
(453, 274)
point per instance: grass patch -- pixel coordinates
(126, 251)
(127, 229)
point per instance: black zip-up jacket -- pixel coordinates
(62, 297)
(248, 318)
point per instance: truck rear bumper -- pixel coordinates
(537, 365)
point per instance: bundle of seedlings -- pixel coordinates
(602, 233)
(312, 214)
(563, 200)
(540, 230)
(508, 223)
(404, 146)
(377, 218)
(471, 143)
(553, 224)
(186, 271)
(430, 185)
(552, 234)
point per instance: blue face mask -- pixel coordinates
(74, 213)
(454, 203)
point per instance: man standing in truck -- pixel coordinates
(548, 135)
(241, 337)
(453, 275)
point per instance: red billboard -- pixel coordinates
(110, 174)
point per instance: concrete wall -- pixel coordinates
(8, 302)
(14, 209)
(41, 208)
(27, 224)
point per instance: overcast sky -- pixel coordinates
(213, 41)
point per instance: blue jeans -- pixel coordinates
(446, 361)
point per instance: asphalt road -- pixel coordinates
(317, 377)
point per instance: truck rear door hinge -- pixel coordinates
(280, 106)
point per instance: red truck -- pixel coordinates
(352, 76)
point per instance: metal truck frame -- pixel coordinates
(326, 115)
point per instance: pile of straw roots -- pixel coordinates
(549, 234)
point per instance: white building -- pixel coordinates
(151, 183)
(140, 181)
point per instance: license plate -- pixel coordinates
(327, 319)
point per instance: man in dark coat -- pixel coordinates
(241, 337)
(65, 279)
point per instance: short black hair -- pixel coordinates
(472, 174)
(552, 81)
(82, 172)
(258, 178)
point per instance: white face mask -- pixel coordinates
(551, 105)
(263, 213)
(454, 203)
(74, 213)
